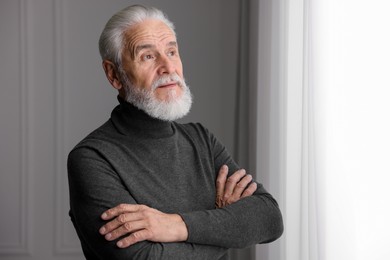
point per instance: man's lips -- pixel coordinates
(168, 85)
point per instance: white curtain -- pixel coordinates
(334, 137)
(348, 73)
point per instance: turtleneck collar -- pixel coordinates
(130, 120)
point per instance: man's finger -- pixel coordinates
(127, 228)
(231, 183)
(119, 221)
(250, 190)
(241, 185)
(221, 180)
(133, 238)
(120, 209)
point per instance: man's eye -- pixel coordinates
(148, 57)
(171, 53)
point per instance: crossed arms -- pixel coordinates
(137, 223)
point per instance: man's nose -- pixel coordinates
(166, 66)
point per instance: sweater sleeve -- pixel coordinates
(252, 220)
(94, 187)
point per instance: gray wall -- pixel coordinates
(53, 92)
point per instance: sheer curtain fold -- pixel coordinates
(303, 187)
(299, 198)
(309, 239)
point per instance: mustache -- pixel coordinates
(165, 79)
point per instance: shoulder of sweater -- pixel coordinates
(196, 131)
(98, 136)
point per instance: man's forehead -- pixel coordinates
(147, 45)
(148, 33)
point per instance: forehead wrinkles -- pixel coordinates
(143, 33)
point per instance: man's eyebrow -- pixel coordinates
(151, 46)
(172, 43)
(142, 47)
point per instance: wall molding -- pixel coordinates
(62, 243)
(23, 247)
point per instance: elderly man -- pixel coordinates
(143, 186)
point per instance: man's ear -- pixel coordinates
(112, 74)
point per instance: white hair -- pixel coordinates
(111, 40)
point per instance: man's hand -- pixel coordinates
(234, 188)
(142, 223)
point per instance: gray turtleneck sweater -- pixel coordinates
(172, 167)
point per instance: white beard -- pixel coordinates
(173, 108)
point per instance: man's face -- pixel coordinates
(151, 51)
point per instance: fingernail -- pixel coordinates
(119, 244)
(104, 216)
(108, 236)
(102, 230)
